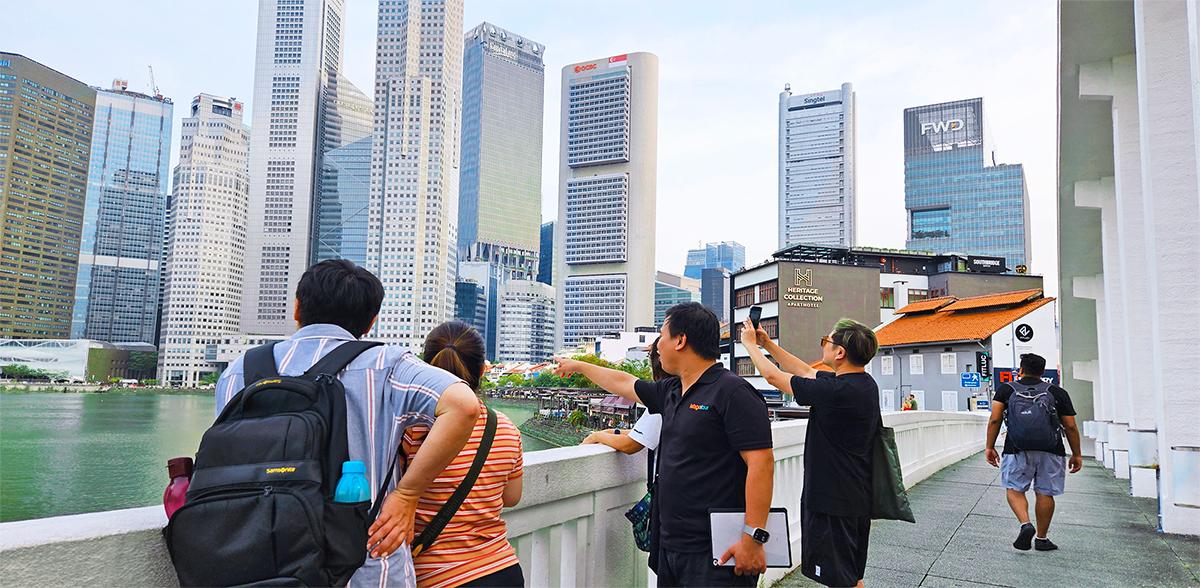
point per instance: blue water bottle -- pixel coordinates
(353, 486)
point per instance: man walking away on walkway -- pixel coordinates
(1037, 413)
(715, 445)
(835, 505)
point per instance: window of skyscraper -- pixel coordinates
(931, 224)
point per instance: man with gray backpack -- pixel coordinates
(1037, 415)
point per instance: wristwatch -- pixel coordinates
(760, 536)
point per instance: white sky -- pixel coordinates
(722, 67)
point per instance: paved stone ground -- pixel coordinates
(964, 533)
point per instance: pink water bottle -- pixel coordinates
(180, 470)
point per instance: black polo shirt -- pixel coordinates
(842, 422)
(702, 433)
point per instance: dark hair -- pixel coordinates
(337, 292)
(857, 339)
(699, 323)
(1033, 365)
(457, 348)
(656, 369)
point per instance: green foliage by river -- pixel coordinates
(74, 453)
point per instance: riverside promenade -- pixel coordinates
(964, 533)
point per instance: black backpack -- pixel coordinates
(1032, 418)
(259, 510)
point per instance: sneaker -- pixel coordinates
(1025, 538)
(1044, 545)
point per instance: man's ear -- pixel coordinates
(681, 342)
(296, 314)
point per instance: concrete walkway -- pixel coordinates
(964, 533)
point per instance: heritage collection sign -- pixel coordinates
(803, 295)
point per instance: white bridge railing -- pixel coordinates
(569, 530)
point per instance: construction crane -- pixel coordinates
(153, 86)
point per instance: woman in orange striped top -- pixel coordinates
(473, 549)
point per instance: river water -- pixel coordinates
(70, 453)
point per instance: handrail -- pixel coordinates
(568, 530)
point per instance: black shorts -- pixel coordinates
(833, 549)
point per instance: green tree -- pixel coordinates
(640, 368)
(143, 363)
(210, 378)
(547, 379)
(24, 372)
(577, 418)
(512, 380)
(579, 380)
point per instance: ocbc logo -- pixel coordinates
(579, 68)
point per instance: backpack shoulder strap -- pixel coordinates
(439, 521)
(259, 364)
(335, 361)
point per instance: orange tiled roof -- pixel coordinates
(950, 324)
(994, 300)
(928, 304)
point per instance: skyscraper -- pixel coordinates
(526, 329)
(206, 246)
(120, 258)
(714, 291)
(500, 196)
(41, 214)
(604, 245)
(669, 290)
(545, 273)
(414, 183)
(818, 167)
(341, 207)
(299, 116)
(730, 255)
(958, 197)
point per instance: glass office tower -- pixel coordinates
(500, 191)
(42, 112)
(120, 261)
(545, 273)
(730, 255)
(959, 197)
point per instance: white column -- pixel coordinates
(1164, 37)
(1131, 234)
(1101, 195)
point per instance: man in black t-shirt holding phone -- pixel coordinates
(835, 505)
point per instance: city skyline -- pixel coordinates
(890, 53)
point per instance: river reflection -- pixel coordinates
(74, 453)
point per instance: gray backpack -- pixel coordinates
(1032, 418)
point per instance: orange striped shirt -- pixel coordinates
(474, 543)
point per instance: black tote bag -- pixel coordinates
(889, 499)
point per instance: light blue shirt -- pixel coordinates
(388, 389)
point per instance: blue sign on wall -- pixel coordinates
(970, 380)
(5, 63)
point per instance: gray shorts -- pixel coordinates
(1044, 470)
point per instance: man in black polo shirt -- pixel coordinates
(835, 505)
(715, 450)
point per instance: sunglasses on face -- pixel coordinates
(825, 339)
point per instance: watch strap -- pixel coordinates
(753, 532)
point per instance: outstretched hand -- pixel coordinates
(565, 367)
(394, 525)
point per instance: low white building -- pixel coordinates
(944, 351)
(617, 347)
